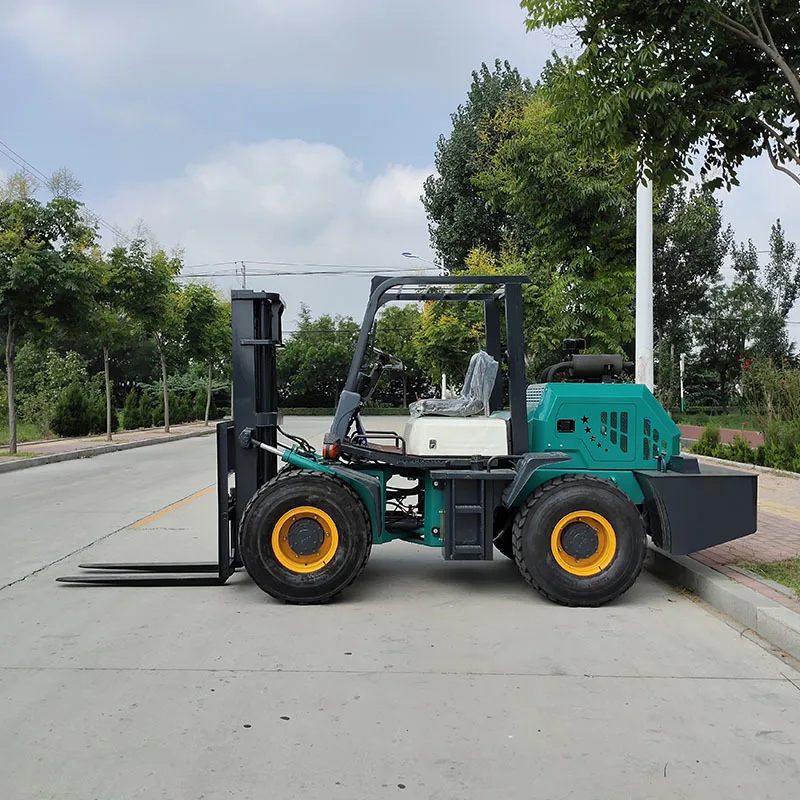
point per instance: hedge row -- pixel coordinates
(144, 408)
(781, 448)
(78, 413)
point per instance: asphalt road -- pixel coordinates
(426, 680)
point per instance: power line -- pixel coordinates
(344, 272)
(26, 166)
(296, 264)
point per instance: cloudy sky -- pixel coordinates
(268, 130)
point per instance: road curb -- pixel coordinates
(758, 467)
(778, 625)
(90, 452)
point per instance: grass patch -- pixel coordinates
(735, 422)
(26, 432)
(785, 572)
(18, 455)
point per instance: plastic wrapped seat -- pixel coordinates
(478, 384)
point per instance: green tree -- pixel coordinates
(208, 330)
(45, 271)
(719, 79)
(152, 298)
(313, 364)
(451, 333)
(459, 219)
(721, 336)
(111, 324)
(577, 209)
(733, 327)
(772, 289)
(42, 375)
(397, 329)
(690, 246)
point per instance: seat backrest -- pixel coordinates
(468, 377)
(475, 393)
(479, 381)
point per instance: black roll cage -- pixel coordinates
(489, 289)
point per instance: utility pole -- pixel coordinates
(244, 274)
(644, 283)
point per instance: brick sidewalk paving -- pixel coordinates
(777, 537)
(692, 433)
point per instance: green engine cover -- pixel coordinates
(607, 429)
(603, 425)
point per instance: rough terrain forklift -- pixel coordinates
(567, 477)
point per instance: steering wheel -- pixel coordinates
(369, 380)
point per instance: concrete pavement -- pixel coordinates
(55, 509)
(428, 679)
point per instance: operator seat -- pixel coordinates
(478, 384)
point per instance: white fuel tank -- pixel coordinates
(456, 436)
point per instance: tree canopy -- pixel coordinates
(45, 270)
(458, 216)
(714, 80)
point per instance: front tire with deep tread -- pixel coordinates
(536, 521)
(290, 489)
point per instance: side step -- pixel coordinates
(470, 500)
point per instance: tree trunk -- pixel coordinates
(12, 404)
(166, 392)
(208, 393)
(106, 369)
(405, 389)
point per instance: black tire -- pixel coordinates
(290, 489)
(537, 520)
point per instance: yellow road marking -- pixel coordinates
(787, 512)
(158, 514)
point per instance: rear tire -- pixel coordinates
(330, 510)
(594, 508)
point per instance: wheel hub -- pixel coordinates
(583, 543)
(305, 537)
(579, 540)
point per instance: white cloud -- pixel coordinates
(285, 200)
(205, 43)
(763, 196)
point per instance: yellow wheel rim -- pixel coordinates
(304, 562)
(597, 561)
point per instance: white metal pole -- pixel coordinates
(683, 369)
(644, 284)
(444, 386)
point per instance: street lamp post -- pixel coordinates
(644, 282)
(441, 269)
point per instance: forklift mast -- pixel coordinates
(257, 333)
